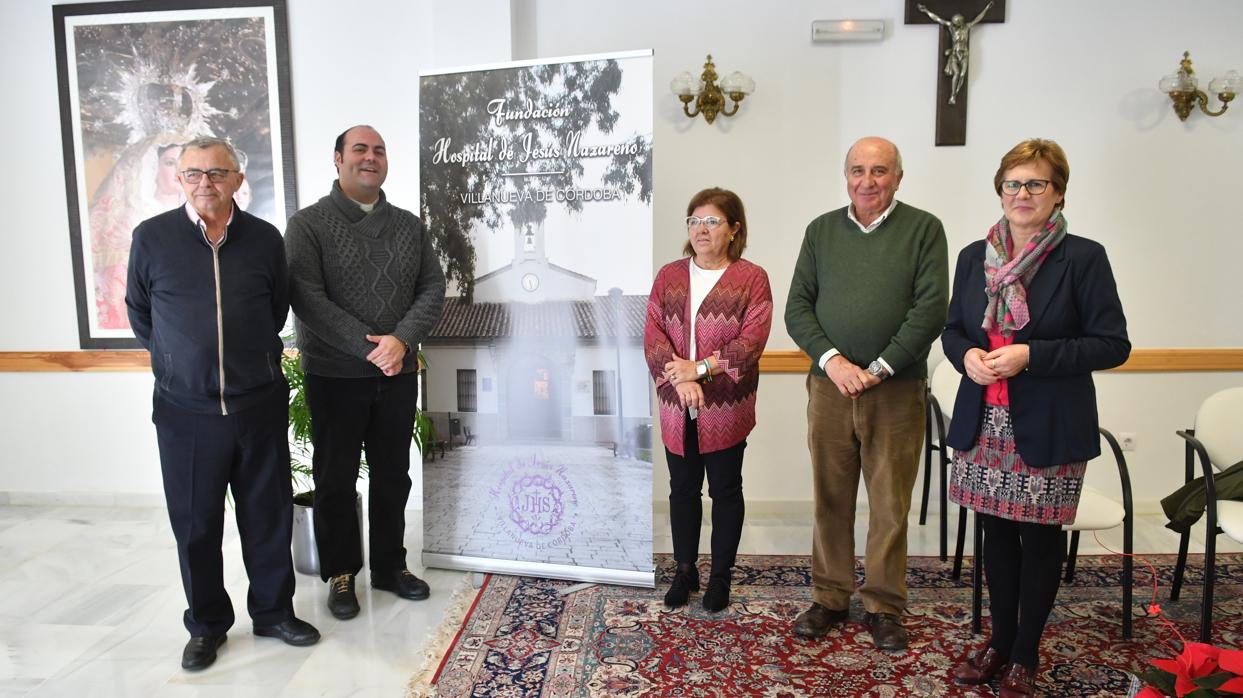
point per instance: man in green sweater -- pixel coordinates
(867, 300)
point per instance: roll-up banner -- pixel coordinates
(537, 187)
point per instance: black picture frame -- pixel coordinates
(138, 78)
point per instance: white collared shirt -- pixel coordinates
(201, 224)
(850, 212)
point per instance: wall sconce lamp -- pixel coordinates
(1182, 88)
(709, 97)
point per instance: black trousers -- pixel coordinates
(1023, 566)
(200, 456)
(686, 478)
(348, 416)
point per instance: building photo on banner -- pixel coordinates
(138, 81)
(537, 182)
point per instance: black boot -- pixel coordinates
(716, 598)
(685, 580)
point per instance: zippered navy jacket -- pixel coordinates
(210, 316)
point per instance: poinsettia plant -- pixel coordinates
(1199, 671)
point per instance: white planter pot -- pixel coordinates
(305, 551)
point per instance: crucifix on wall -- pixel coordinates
(958, 17)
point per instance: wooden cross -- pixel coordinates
(956, 18)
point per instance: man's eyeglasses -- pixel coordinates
(712, 222)
(216, 175)
(1035, 187)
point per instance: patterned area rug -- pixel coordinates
(522, 638)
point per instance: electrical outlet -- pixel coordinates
(1126, 439)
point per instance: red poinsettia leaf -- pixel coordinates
(1183, 686)
(1232, 661)
(1173, 666)
(1199, 659)
(1163, 681)
(1234, 685)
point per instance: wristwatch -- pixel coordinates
(876, 368)
(701, 369)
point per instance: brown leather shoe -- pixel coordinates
(1017, 682)
(887, 631)
(818, 620)
(979, 667)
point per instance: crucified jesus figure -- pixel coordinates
(960, 38)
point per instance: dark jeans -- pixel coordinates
(1023, 566)
(348, 416)
(686, 479)
(202, 455)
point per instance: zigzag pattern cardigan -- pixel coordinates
(732, 327)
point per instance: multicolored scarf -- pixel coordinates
(1006, 279)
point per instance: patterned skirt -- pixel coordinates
(992, 478)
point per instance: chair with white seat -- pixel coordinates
(1217, 441)
(942, 389)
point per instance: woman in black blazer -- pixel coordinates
(1034, 312)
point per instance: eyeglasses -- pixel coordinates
(216, 175)
(712, 222)
(1035, 187)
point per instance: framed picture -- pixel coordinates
(138, 80)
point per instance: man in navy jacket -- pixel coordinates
(207, 296)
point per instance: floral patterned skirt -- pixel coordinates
(992, 478)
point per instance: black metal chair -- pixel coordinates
(466, 433)
(1217, 440)
(942, 388)
(1097, 512)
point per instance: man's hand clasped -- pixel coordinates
(850, 379)
(389, 355)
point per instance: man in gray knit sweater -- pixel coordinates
(366, 287)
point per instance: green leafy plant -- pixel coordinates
(300, 428)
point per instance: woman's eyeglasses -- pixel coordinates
(1035, 187)
(711, 222)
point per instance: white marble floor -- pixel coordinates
(91, 601)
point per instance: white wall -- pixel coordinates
(1160, 194)
(90, 435)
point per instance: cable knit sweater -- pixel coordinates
(353, 274)
(732, 327)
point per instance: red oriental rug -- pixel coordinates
(521, 638)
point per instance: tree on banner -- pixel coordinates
(519, 131)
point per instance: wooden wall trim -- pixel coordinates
(1141, 361)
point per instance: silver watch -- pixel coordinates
(701, 369)
(876, 368)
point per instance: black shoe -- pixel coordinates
(200, 652)
(887, 631)
(716, 597)
(818, 620)
(401, 582)
(292, 631)
(685, 580)
(341, 599)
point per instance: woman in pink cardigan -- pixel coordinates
(707, 322)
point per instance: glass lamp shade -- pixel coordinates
(1230, 82)
(737, 82)
(1177, 82)
(686, 85)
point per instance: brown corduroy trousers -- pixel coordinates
(878, 435)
